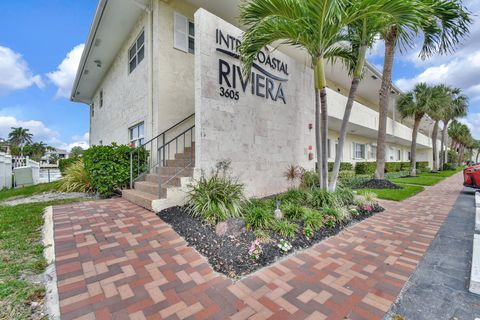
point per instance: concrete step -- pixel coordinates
(151, 188)
(138, 197)
(180, 171)
(174, 182)
(185, 155)
(180, 163)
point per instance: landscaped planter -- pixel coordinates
(230, 254)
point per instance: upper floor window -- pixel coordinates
(136, 133)
(358, 151)
(136, 53)
(183, 33)
(101, 98)
(92, 110)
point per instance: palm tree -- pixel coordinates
(461, 138)
(318, 27)
(444, 23)
(416, 103)
(19, 137)
(456, 108)
(362, 34)
(442, 96)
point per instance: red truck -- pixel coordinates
(471, 176)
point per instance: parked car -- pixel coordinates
(471, 176)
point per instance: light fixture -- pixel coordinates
(97, 42)
(374, 77)
(98, 63)
(85, 72)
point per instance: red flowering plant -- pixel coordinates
(329, 221)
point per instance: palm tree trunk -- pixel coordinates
(318, 145)
(346, 116)
(413, 150)
(443, 155)
(478, 153)
(321, 85)
(434, 146)
(390, 40)
(460, 154)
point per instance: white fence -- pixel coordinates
(5, 171)
(26, 171)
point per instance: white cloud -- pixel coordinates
(39, 130)
(15, 73)
(473, 123)
(42, 133)
(64, 76)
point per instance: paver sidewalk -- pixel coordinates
(117, 260)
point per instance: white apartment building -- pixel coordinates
(165, 74)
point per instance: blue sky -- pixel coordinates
(41, 44)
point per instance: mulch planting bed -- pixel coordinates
(229, 254)
(378, 184)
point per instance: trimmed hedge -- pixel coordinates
(393, 166)
(367, 167)
(108, 167)
(404, 166)
(344, 166)
(422, 165)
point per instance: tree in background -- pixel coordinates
(444, 23)
(76, 151)
(461, 139)
(19, 137)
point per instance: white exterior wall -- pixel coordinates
(260, 136)
(5, 171)
(125, 96)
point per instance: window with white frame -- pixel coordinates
(373, 151)
(409, 156)
(136, 53)
(136, 133)
(92, 109)
(399, 154)
(358, 150)
(183, 33)
(329, 153)
(101, 98)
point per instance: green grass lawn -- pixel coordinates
(445, 174)
(395, 194)
(419, 180)
(21, 255)
(28, 191)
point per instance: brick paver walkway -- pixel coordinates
(117, 260)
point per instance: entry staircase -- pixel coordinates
(162, 168)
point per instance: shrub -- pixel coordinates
(346, 175)
(258, 218)
(344, 197)
(392, 166)
(449, 166)
(108, 167)
(295, 196)
(292, 211)
(63, 164)
(75, 178)
(293, 173)
(396, 175)
(405, 166)
(422, 165)
(318, 198)
(365, 167)
(344, 166)
(216, 198)
(310, 179)
(312, 219)
(333, 212)
(285, 228)
(356, 181)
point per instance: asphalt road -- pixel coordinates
(438, 289)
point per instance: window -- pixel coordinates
(136, 53)
(409, 156)
(399, 154)
(373, 152)
(358, 151)
(101, 98)
(137, 135)
(92, 109)
(183, 33)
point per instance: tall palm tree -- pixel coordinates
(361, 35)
(457, 108)
(442, 95)
(444, 23)
(19, 137)
(416, 103)
(318, 27)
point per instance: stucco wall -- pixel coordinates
(260, 136)
(125, 101)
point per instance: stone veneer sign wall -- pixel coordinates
(261, 122)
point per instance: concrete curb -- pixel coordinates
(475, 273)
(52, 307)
